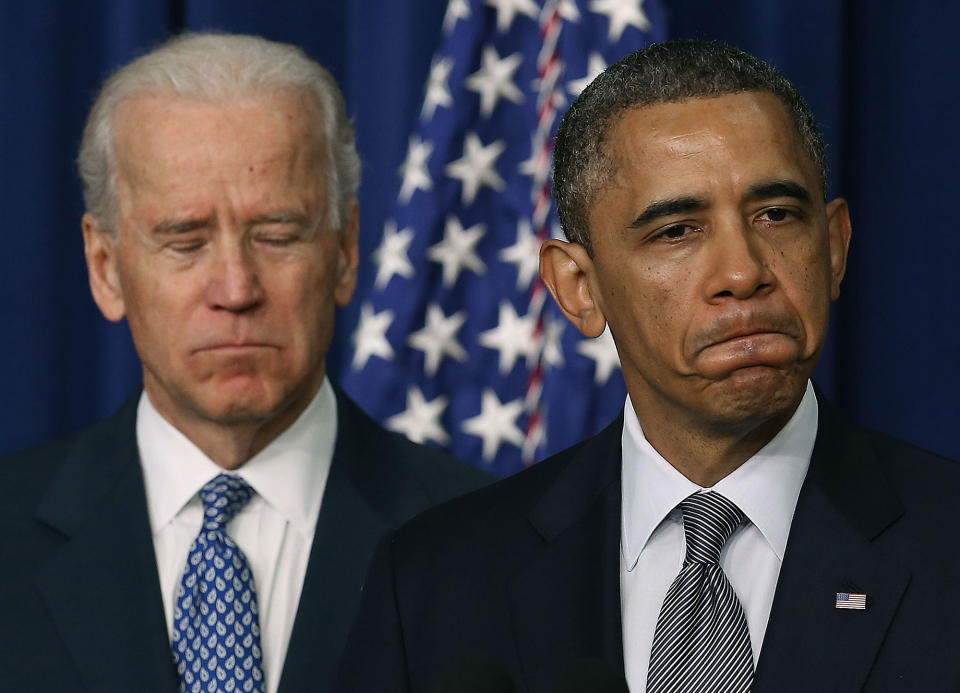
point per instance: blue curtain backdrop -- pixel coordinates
(881, 78)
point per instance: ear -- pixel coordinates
(348, 256)
(566, 269)
(839, 231)
(99, 248)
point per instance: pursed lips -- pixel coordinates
(234, 345)
(726, 330)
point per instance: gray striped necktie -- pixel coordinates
(702, 643)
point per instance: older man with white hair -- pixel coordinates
(214, 532)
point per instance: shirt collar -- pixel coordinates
(765, 487)
(290, 473)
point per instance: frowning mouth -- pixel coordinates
(236, 347)
(746, 338)
(741, 332)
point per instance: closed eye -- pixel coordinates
(279, 233)
(278, 241)
(185, 247)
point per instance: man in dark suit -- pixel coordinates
(231, 508)
(731, 531)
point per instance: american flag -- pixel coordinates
(849, 600)
(458, 344)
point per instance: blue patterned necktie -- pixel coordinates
(216, 633)
(702, 642)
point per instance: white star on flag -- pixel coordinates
(604, 353)
(438, 338)
(391, 255)
(508, 9)
(420, 421)
(370, 337)
(525, 254)
(438, 93)
(494, 79)
(414, 168)
(552, 344)
(495, 424)
(621, 14)
(512, 337)
(456, 9)
(471, 324)
(595, 65)
(568, 10)
(537, 165)
(476, 167)
(457, 250)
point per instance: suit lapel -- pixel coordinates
(566, 600)
(101, 584)
(844, 505)
(348, 529)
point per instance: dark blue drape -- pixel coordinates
(880, 76)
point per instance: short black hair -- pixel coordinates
(661, 73)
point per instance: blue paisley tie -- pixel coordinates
(216, 633)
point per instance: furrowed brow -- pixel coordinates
(283, 217)
(777, 188)
(175, 226)
(665, 208)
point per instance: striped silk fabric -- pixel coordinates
(702, 643)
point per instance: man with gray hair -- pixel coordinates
(730, 531)
(212, 534)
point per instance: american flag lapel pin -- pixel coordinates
(851, 600)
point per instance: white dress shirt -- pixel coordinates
(652, 544)
(274, 530)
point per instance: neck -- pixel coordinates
(230, 441)
(230, 446)
(706, 452)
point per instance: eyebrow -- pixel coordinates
(777, 188)
(282, 217)
(668, 207)
(173, 226)
(690, 203)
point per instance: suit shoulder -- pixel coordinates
(493, 514)
(24, 475)
(435, 468)
(27, 474)
(919, 474)
(392, 462)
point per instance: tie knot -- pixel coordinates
(708, 521)
(223, 497)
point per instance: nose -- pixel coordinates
(739, 263)
(234, 281)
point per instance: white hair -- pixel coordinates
(217, 67)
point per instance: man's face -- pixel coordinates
(715, 259)
(224, 264)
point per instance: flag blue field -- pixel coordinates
(458, 344)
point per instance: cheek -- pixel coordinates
(644, 314)
(807, 286)
(306, 300)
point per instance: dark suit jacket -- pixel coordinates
(80, 602)
(526, 573)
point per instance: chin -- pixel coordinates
(239, 403)
(749, 396)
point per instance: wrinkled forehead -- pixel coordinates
(747, 127)
(177, 156)
(163, 126)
